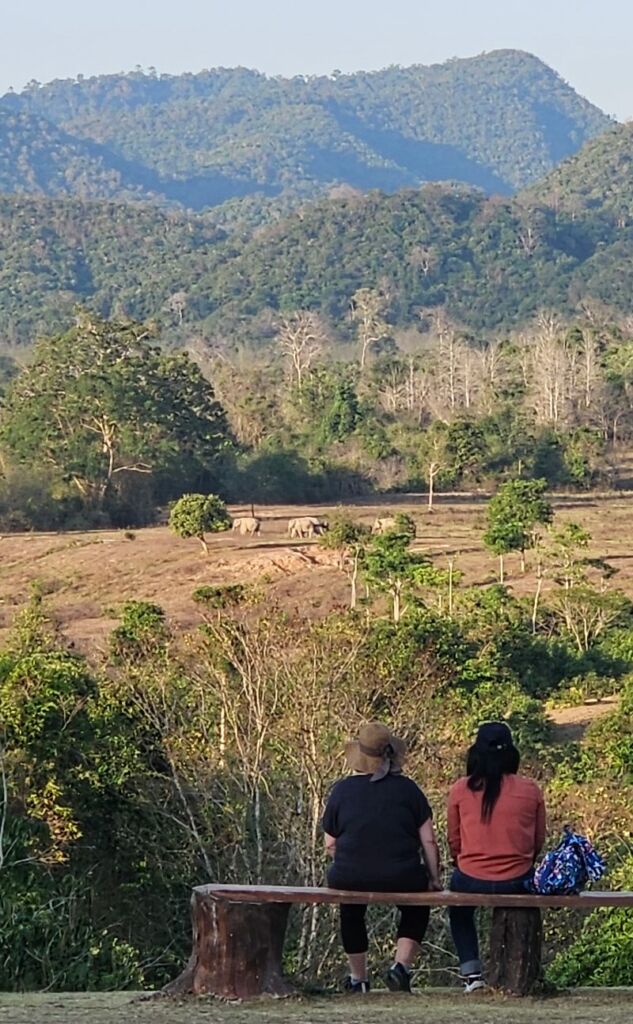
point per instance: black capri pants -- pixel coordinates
(413, 920)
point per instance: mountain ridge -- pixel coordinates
(497, 121)
(491, 262)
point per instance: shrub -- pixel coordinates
(228, 596)
(193, 515)
(142, 631)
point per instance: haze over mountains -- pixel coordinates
(112, 190)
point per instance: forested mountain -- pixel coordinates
(498, 121)
(491, 262)
(599, 178)
(130, 259)
(39, 158)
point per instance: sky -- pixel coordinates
(587, 41)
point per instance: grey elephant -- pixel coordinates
(383, 525)
(307, 526)
(246, 526)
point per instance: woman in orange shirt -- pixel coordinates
(496, 829)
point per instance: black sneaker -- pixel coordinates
(356, 988)
(473, 983)
(398, 979)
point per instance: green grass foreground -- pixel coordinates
(583, 1007)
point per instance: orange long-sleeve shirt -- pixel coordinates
(507, 845)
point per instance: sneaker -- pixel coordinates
(398, 979)
(356, 988)
(473, 983)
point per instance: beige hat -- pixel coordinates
(376, 752)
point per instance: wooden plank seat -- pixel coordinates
(239, 932)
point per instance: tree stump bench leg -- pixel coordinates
(237, 950)
(515, 949)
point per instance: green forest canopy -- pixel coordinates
(492, 263)
(497, 121)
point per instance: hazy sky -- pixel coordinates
(587, 41)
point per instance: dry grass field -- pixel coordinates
(583, 1007)
(86, 575)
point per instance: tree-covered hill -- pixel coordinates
(497, 121)
(130, 259)
(39, 158)
(599, 178)
(491, 262)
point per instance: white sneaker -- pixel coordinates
(473, 984)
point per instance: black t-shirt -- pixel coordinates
(376, 827)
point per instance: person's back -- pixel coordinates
(496, 828)
(505, 846)
(378, 830)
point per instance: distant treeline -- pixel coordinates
(104, 426)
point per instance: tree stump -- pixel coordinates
(515, 949)
(237, 950)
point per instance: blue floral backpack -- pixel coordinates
(566, 870)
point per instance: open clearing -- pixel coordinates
(433, 1008)
(86, 575)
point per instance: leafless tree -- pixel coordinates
(301, 339)
(423, 257)
(177, 303)
(546, 370)
(368, 307)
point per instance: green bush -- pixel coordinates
(141, 632)
(602, 954)
(228, 596)
(193, 515)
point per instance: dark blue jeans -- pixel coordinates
(462, 919)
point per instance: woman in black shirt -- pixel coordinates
(379, 831)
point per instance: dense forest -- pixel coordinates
(490, 263)
(497, 121)
(106, 426)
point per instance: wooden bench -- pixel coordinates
(239, 932)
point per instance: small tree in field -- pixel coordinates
(514, 515)
(193, 515)
(390, 566)
(567, 555)
(502, 537)
(349, 539)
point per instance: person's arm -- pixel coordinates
(540, 825)
(330, 823)
(431, 854)
(454, 827)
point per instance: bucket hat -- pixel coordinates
(376, 752)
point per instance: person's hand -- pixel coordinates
(435, 885)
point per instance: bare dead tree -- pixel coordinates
(177, 304)
(549, 370)
(368, 307)
(423, 257)
(301, 339)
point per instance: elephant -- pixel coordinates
(247, 525)
(384, 525)
(307, 526)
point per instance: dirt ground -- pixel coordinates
(609, 1007)
(86, 575)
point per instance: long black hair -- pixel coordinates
(492, 756)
